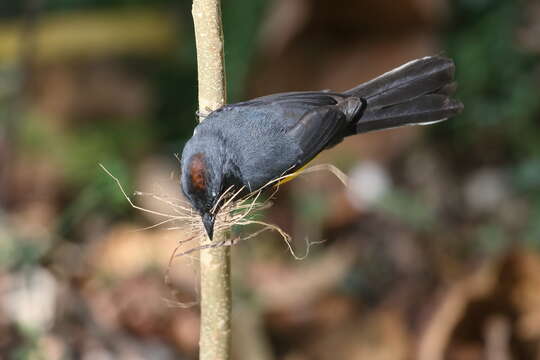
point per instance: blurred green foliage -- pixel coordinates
(241, 23)
(495, 77)
(410, 209)
(498, 83)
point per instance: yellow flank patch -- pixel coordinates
(293, 175)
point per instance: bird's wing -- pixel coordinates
(306, 98)
(316, 130)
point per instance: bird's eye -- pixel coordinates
(214, 194)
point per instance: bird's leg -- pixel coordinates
(203, 114)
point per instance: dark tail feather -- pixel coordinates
(424, 110)
(415, 93)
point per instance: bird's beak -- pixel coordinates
(208, 221)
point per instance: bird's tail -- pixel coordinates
(417, 93)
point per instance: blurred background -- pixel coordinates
(433, 252)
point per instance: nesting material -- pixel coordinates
(234, 210)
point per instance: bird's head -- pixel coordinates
(202, 180)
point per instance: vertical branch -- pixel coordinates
(210, 59)
(215, 334)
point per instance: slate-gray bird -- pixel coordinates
(256, 141)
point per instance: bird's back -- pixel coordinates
(255, 134)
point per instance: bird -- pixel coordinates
(249, 144)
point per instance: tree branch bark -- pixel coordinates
(215, 333)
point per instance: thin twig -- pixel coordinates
(215, 334)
